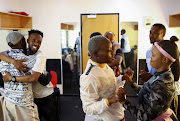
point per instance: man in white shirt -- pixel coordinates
(125, 49)
(77, 48)
(43, 95)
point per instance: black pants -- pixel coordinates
(47, 108)
(126, 61)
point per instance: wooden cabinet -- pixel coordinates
(174, 20)
(14, 21)
(67, 26)
(135, 27)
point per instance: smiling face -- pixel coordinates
(34, 43)
(156, 34)
(104, 54)
(156, 58)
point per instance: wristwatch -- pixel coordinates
(13, 79)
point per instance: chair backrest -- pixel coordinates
(54, 79)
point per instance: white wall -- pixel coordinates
(6, 6)
(9, 5)
(48, 14)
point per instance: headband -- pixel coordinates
(164, 52)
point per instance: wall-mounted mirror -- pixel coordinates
(131, 29)
(70, 44)
(131, 33)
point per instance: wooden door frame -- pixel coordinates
(81, 52)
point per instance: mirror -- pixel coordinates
(70, 61)
(132, 34)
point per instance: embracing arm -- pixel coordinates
(38, 68)
(28, 78)
(6, 58)
(17, 63)
(44, 79)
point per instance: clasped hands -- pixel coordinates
(128, 76)
(144, 75)
(121, 92)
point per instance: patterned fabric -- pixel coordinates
(155, 97)
(16, 92)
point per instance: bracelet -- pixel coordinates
(107, 102)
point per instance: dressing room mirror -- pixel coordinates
(70, 45)
(132, 34)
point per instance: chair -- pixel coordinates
(54, 79)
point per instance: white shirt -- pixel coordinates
(127, 47)
(95, 87)
(40, 91)
(77, 42)
(148, 59)
(70, 61)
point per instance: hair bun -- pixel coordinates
(173, 39)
